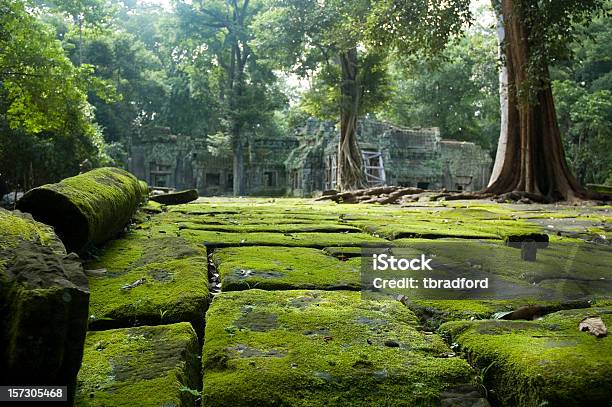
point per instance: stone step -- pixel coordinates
(284, 268)
(142, 366)
(322, 348)
(545, 362)
(141, 281)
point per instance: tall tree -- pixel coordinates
(220, 33)
(324, 40)
(309, 35)
(532, 159)
(83, 13)
(46, 123)
(457, 92)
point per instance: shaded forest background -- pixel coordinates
(79, 78)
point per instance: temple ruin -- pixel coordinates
(304, 162)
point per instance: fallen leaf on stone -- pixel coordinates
(594, 325)
(135, 284)
(501, 314)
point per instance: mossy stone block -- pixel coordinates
(305, 239)
(283, 268)
(43, 301)
(451, 226)
(148, 281)
(271, 227)
(564, 268)
(321, 348)
(147, 366)
(544, 362)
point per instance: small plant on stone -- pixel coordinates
(162, 314)
(480, 378)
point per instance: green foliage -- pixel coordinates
(79, 77)
(41, 89)
(307, 37)
(218, 52)
(550, 30)
(458, 92)
(417, 26)
(45, 120)
(582, 88)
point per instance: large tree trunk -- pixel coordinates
(350, 161)
(239, 186)
(236, 79)
(503, 93)
(532, 160)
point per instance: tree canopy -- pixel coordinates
(79, 79)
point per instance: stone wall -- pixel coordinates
(180, 162)
(304, 162)
(467, 167)
(416, 157)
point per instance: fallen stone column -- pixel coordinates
(88, 208)
(44, 299)
(176, 198)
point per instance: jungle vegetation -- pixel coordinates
(78, 78)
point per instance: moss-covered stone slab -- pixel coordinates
(148, 281)
(546, 362)
(565, 268)
(433, 313)
(88, 208)
(44, 301)
(283, 268)
(142, 366)
(304, 239)
(321, 348)
(19, 227)
(590, 227)
(433, 228)
(273, 228)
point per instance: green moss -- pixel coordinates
(144, 190)
(433, 313)
(149, 281)
(314, 348)
(450, 226)
(17, 227)
(547, 362)
(271, 227)
(284, 268)
(305, 239)
(144, 366)
(152, 207)
(88, 208)
(565, 268)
